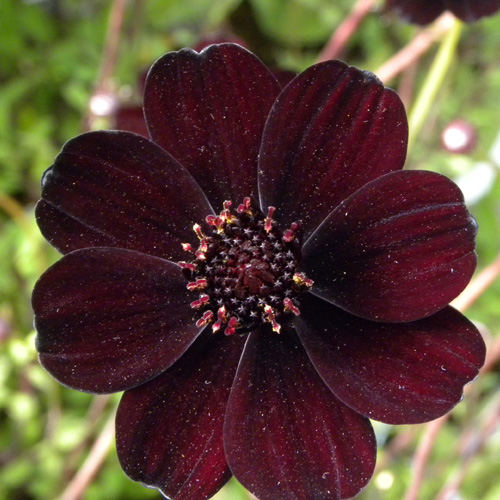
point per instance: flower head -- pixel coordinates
(261, 278)
(426, 11)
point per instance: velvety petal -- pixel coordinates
(286, 436)
(208, 110)
(333, 129)
(131, 118)
(426, 11)
(398, 373)
(217, 38)
(118, 189)
(169, 431)
(109, 319)
(399, 249)
(472, 10)
(418, 11)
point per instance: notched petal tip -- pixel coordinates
(208, 110)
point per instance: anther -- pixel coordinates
(221, 318)
(226, 214)
(187, 247)
(206, 318)
(290, 306)
(204, 298)
(301, 279)
(197, 285)
(288, 235)
(268, 222)
(187, 265)
(231, 326)
(271, 317)
(198, 231)
(245, 206)
(243, 270)
(212, 220)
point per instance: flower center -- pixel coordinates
(244, 270)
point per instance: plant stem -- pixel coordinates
(76, 488)
(416, 48)
(335, 46)
(433, 82)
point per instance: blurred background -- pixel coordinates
(67, 66)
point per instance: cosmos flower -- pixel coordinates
(260, 278)
(426, 11)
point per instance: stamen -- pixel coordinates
(221, 318)
(200, 255)
(203, 245)
(271, 317)
(206, 318)
(197, 230)
(269, 219)
(231, 326)
(187, 265)
(187, 247)
(204, 299)
(301, 279)
(244, 270)
(290, 306)
(245, 206)
(289, 234)
(226, 214)
(215, 221)
(197, 285)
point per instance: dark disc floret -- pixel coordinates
(245, 270)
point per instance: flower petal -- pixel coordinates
(169, 431)
(131, 118)
(399, 249)
(118, 189)
(286, 436)
(418, 11)
(426, 11)
(398, 373)
(109, 319)
(472, 10)
(208, 110)
(333, 129)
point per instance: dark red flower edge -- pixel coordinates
(104, 311)
(425, 11)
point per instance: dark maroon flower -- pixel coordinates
(256, 338)
(131, 118)
(426, 11)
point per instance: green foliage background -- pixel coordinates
(50, 57)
